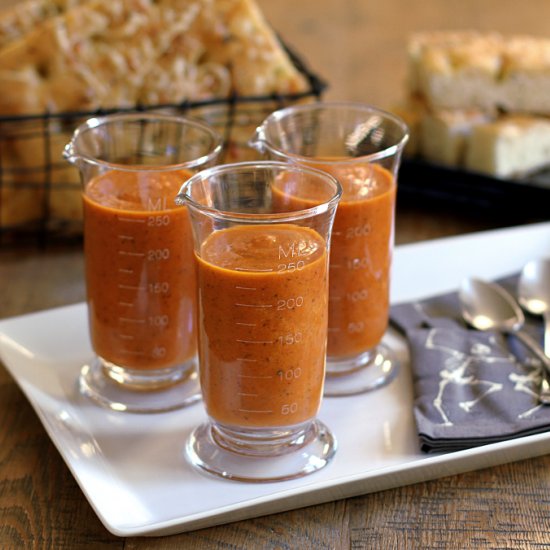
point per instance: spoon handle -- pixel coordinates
(534, 346)
(547, 333)
(544, 395)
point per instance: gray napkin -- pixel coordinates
(471, 388)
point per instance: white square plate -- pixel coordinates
(132, 469)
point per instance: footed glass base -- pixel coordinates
(362, 373)
(140, 391)
(257, 456)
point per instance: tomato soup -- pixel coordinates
(360, 254)
(140, 270)
(263, 312)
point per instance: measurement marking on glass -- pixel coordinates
(255, 341)
(130, 220)
(131, 287)
(128, 320)
(253, 411)
(254, 305)
(251, 269)
(246, 324)
(126, 304)
(337, 233)
(126, 336)
(247, 360)
(124, 270)
(136, 254)
(245, 288)
(248, 394)
(255, 376)
(126, 237)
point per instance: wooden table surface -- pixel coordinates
(358, 47)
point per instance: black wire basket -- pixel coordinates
(40, 193)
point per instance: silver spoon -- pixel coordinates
(487, 306)
(534, 294)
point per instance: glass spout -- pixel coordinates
(69, 154)
(258, 140)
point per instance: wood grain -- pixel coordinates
(358, 47)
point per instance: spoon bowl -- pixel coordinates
(487, 306)
(534, 287)
(534, 293)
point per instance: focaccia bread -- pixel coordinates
(241, 40)
(412, 111)
(485, 101)
(504, 146)
(120, 53)
(487, 71)
(510, 146)
(229, 49)
(82, 55)
(95, 55)
(23, 17)
(444, 135)
(37, 184)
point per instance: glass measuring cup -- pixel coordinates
(140, 273)
(263, 311)
(361, 146)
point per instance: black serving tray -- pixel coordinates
(525, 198)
